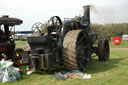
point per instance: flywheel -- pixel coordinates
(76, 50)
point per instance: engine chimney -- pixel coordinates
(87, 13)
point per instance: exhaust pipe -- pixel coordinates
(86, 14)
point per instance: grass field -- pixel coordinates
(20, 44)
(113, 72)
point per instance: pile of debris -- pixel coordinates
(8, 73)
(63, 75)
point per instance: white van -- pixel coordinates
(125, 37)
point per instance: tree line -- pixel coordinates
(110, 30)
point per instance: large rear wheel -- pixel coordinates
(76, 50)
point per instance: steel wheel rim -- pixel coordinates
(56, 22)
(37, 26)
(83, 51)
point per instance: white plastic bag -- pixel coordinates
(8, 73)
(86, 76)
(1, 74)
(5, 76)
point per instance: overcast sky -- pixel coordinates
(31, 11)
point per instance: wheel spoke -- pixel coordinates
(36, 27)
(81, 64)
(56, 22)
(53, 23)
(81, 40)
(84, 58)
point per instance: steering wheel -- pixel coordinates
(55, 22)
(37, 27)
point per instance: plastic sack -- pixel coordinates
(5, 76)
(1, 74)
(8, 73)
(86, 76)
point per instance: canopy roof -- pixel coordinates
(10, 21)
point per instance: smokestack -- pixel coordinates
(87, 13)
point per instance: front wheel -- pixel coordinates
(17, 57)
(103, 50)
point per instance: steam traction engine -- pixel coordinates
(69, 44)
(7, 44)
